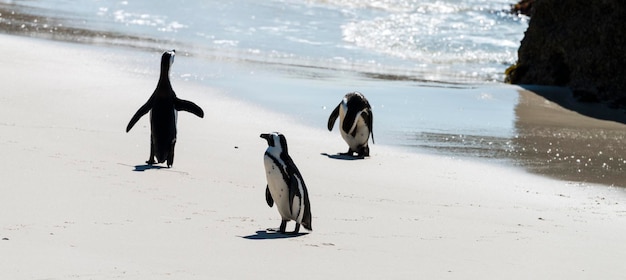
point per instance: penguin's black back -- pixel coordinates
(163, 106)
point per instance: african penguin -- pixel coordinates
(355, 123)
(164, 106)
(285, 185)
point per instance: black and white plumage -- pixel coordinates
(285, 185)
(163, 106)
(355, 123)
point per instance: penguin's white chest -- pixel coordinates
(279, 189)
(361, 136)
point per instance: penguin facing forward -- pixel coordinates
(285, 185)
(355, 123)
(163, 106)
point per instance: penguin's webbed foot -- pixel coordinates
(360, 154)
(363, 152)
(150, 161)
(281, 229)
(349, 153)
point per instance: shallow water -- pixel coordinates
(430, 70)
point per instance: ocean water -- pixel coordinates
(413, 59)
(432, 70)
(441, 41)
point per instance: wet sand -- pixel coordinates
(567, 144)
(551, 135)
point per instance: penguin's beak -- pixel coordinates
(268, 138)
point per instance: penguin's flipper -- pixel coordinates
(142, 111)
(306, 219)
(268, 197)
(294, 191)
(369, 121)
(184, 105)
(333, 118)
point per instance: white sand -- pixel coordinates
(71, 206)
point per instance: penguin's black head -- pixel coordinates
(275, 140)
(356, 101)
(167, 59)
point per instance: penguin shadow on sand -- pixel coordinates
(144, 167)
(272, 234)
(343, 156)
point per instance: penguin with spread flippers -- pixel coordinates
(163, 106)
(285, 185)
(355, 123)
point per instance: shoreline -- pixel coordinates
(74, 206)
(521, 148)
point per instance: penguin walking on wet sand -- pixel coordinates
(163, 106)
(355, 123)
(285, 184)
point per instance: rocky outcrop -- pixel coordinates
(523, 7)
(579, 44)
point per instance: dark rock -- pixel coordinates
(585, 96)
(524, 7)
(578, 44)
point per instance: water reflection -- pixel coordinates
(464, 145)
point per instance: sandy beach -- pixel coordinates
(78, 201)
